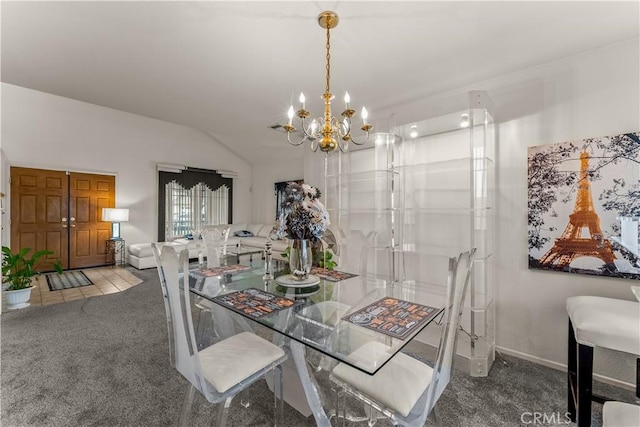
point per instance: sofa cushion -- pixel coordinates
(236, 227)
(219, 229)
(233, 241)
(279, 245)
(265, 231)
(140, 250)
(254, 228)
(254, 242)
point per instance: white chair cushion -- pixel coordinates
(397, 385)
(236, 358)
(606, 322)
(618, 414)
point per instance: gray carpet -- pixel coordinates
(104, 362)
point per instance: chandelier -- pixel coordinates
(327, 132)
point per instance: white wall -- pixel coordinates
(265, 175)
(590, 95)
(4, 188)
(45, 131)
(587, 95)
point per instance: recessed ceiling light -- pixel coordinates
(464, 120)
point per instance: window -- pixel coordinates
(191, 199)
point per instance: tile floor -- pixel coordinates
(106, 280)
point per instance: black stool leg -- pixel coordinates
(638, 378)
(572, 374)
(585, 384)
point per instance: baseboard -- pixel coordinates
(562, 367)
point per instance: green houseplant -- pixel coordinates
(17, 271)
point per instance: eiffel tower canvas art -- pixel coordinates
(580, 193)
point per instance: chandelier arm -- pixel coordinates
(363, 142)
(345, 127)
(344, 146)
(295, 144)
(314, 145)
(304, 129)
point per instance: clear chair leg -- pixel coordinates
(223, 412)
(278, 395)
(186, 406)
(435, 417)
(172, 348)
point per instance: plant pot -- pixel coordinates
(17, 299)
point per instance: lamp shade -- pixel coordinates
(115, 215)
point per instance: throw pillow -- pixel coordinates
(243, 233)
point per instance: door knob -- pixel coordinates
(64, 219)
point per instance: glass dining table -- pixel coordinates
(334, 316)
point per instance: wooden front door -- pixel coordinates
(61, 212)
(88, 234)
(39, 203)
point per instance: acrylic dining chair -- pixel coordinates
(155, 248)
(406, 390)
(220, 371)
(215, 242)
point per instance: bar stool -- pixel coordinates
(619, 414)
(597, 322)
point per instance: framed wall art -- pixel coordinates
(584, 206)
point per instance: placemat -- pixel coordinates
(392, 316)
(254, 302)
(219, 271)
(331, 275)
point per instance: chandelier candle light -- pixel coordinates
(327, 132)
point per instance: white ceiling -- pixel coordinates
(231, 69)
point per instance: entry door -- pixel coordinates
(39, 202)
(61, 212)
(88, 234)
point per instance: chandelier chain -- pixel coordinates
(328, 67)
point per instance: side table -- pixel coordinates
(116, 252)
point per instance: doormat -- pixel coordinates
(67, 280)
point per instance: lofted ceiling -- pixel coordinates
(231, 69)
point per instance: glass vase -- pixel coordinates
(300, 258)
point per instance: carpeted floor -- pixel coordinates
(104, 362)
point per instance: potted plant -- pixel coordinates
(17, 272)
(303, 219)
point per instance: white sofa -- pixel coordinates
(140, 255)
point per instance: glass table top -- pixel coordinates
(328, 317)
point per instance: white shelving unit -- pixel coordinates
(427, 189)
(363, 195)
(449, 176)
